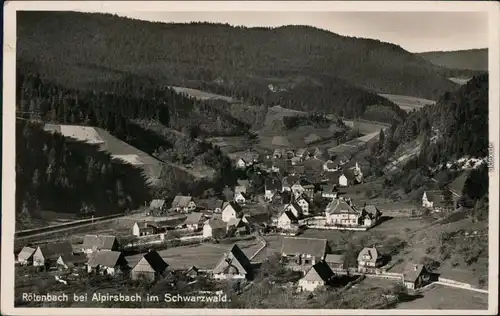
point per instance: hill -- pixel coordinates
(310, 68)
(55, 174)
(471, 59)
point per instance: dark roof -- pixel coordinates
(436, 196)
(235, 259)
(273, 184)
(193, 218)
(294, 205)
(290, 180)
(181, 201)
(234, 205)
(290, 216)
(321, 271)
(299, 245)
(298, 169)
(371, 209)
(105, 258)
(337, 259)
(54, 250)
(211, 204)
(156, 261)
(98, 242)
(457, 185)
(412, 272)
(329, 188)
(69, 259)
(349, 174)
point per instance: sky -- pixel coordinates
(414, 31)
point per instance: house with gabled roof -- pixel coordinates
(194, 221)
(288, 182)
(25, 256)
(294, 208)
(341, 213)
(94, 243)
(318, 275)
(303, 153)
(329, 191)
(192, 273)
(145, 229)
(457, 187)
(271, 187)
(183, 204)
(279, 153)
(158, 205)
(150, 267)
(369, 260)
(107, 263)
(336, 262)
(231, 210)
(301, 251)
(214, 228)
(48, 254)
(304, 203)
(233, 265)
(237, 227)
(371, 215)
(71, 261)
(242, 197)
(287, 221)
(415, 276)
(317, 153)
(437, 200)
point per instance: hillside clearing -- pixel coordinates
(408, 103)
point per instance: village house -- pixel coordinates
(288, 182)
(275, 168)
(237, 227)
(107, 263)
(370, 214)
(294, 208)
(71, 261)
(317, 154)
(240, 195)
(329, 166)
(287, 221)
(436, 200)
(151, 267)
(289, 153)
(295, 161)
(336, 262)
(457, 186)
(231, 210)
(212, 205)
(303, 202)
(158, 205)
(144, 229)
(341, 213)
(319, 275)
(278, 153)
(266, 166)
(415, 276)
(271, 187)
(329, 191)
(369, 260)
(183, 204)
(25, 256)
(47, 255)
(242, 164)
(94, 243)
(214, 228)
(304, 252)
(233, 265)
(297, 170)
(192, 273)
(194, 221)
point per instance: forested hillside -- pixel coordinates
(472, 59)
(456, 127)
(316, 69)
(69, 177)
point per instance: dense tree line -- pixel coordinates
(64, 176)
(99, 47)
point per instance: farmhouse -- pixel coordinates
(211, 205)
(287, 220)
(288, 182)
(183, 204)
(237, 227)
(93, 243)
(304, 251)
(437, 200)
(242, 163)
(25, 256)
(318, 275)
(71, 261)
(231, 210)
(369, 260)
(150, 267)
(371, 215)
(294, 208)
(339, 212)
(329, 166)
(415, 276)
(194, 221)
(49, 253)
(329, 191)
(336, 262)
(241, 197)
(158, 205)
(233, 265)
(214, 228)
(144, 229)
(271, 187)
(107, 263)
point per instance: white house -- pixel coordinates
(231, 210)
(343, 182)
(286, 220)
(241, 198)
(297, 189)
(241, 163)
(194, 221)
(214, 228)
(304, 205)
(415, 276)
(339, 212)
(319, 275)
(107, 262)
(369, 260)
(233, 265)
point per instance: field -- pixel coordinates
(408, 103)
(441, 297)
(460, 81)
(202, 95)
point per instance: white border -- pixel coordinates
(8, 187)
